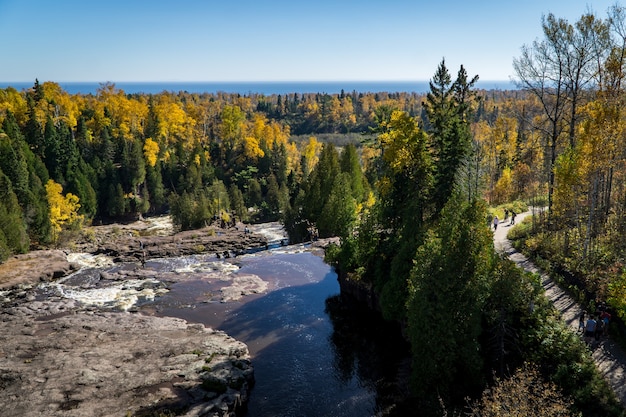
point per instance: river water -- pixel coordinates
(312, 355)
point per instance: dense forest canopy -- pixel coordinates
(405, 180)
(196, 155)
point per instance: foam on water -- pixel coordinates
(123, 295)
(87, 260)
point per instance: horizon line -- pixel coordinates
(240, 81)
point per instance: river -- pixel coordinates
(312, 355)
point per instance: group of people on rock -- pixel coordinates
(594, 326)
(496, 220)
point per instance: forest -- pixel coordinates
(408, 181)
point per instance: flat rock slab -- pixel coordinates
(57, 360)
(34, 267)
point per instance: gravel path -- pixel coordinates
(609, 357)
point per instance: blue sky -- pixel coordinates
(248, 40)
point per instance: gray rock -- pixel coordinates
(114, 364)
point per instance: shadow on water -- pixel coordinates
(373, 349)
(314, 356)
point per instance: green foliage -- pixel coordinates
(339, 213)
(350, 164)
(448, 106)
(13, 236)
(617, 295)
(565, 360)
(155, 189)
(449, 287)
(237, 203)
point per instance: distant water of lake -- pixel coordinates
(259, 87)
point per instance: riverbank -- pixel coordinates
(59, 357)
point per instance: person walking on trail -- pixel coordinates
(605, 316)
(513, 217)
(581, 322)
(495, 223)
(590, 329)
(599, 329)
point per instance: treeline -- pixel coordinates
(197, 156)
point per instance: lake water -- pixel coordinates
(259, 87)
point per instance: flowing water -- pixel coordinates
(312, 355)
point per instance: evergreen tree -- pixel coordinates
(272, 197)
(13, 236)
(320, 183)
(51, 152)
(254, 194)
(33, 130)
(448, 289)
(448, 110)
(12, 159)
(156, 190)
(237, 204)
(351, 165)
(339, 213)
(78, 184)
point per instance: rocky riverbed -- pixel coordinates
(61, 357)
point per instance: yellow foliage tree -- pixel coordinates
(293, 157)
(174, 123)
(12, 100)
(63, 209)
(128, 115)
(311, 154)
(525, 393)
(251, 149)
(151, 151)
(503, 188)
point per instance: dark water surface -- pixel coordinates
(259, 87)
(312, 355)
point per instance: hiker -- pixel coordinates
(590, 329)
(495, 223)
(581, 322)
(506, 214)
(513, 217)
(605, 316)
(599, 330)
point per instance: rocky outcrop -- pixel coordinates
(358, 291)
(224, 242)
(34, 267)
(59, 360)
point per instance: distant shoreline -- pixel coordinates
(258, 87)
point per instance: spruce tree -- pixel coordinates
(448, 108)
(351, 165)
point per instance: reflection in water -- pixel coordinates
(371, 349)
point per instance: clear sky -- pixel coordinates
(262, 40)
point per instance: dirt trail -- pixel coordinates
(609, 357)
